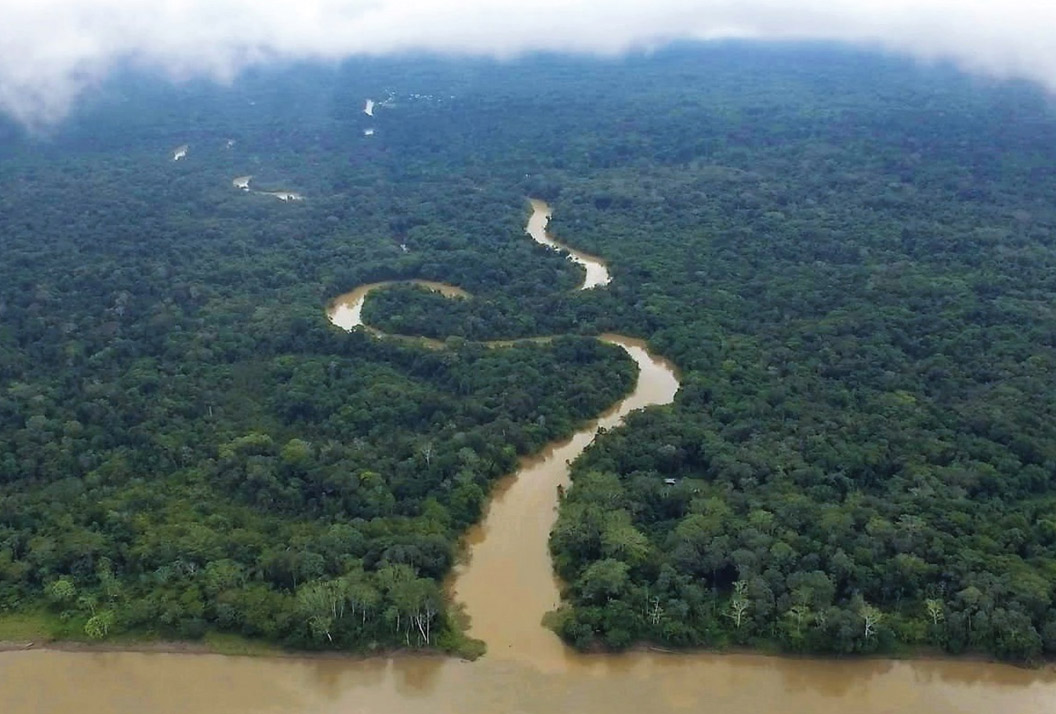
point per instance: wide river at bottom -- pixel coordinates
(506, 586)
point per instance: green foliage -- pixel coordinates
(190, 448)
(30, 626)
(848, 257)
(98, 626)
(60, 591)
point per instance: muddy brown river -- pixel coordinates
(506, 587)
(597, 273)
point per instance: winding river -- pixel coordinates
(597, 273)
(506, 586)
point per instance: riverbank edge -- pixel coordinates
(772, 649)
(193, 647)
(43, 630)
(267, 651)
(227, 645)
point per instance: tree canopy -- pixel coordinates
(848, 256)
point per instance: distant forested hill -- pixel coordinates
(849, 257)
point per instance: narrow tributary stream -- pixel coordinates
(508, 584)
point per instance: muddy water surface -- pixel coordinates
(43, 682)
(597, 271)
(509, 585)
(506, 587)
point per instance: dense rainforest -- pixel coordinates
(189, 446)
(850, 258)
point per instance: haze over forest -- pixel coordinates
(53, 50)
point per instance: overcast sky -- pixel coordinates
(53, 50)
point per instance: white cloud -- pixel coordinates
(52, 50)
